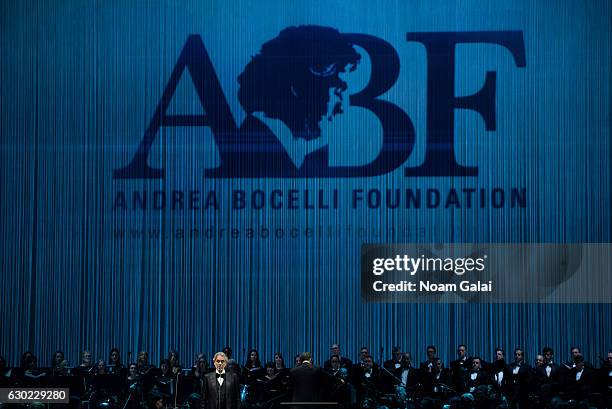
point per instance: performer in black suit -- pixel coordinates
(309, 384)
(221, 388)
(578, 383)
(518, 376)
(476, 376)
(367, 382)
(460, 366)
(548, 376)
(497, 369)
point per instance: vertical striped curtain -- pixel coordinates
(79, 83)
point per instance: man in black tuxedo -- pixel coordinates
(309, 383)
(518, 377)
(578, 383)
(367, 381)
(221, 388)
(460, 366)
(476, 376)
(548, 376)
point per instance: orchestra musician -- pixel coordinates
(341, 389)
(344, 362)
(367, 381)
(516, 381)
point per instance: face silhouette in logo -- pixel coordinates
(290, 79)
(289, 82)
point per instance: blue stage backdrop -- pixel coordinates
(200, 173)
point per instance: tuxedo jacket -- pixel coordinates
(482, 378)
(309, 384)
(556, 374)
(226, 396)
(580, 389)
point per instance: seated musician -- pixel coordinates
(344, 362)
(367, 382)
(133, 386)
(476, 377)
(341, 389)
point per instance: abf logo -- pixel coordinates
(290, 80)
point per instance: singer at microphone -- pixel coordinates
(221, 388)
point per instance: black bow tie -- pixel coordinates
(221, 375)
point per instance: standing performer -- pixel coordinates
(221, 388)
